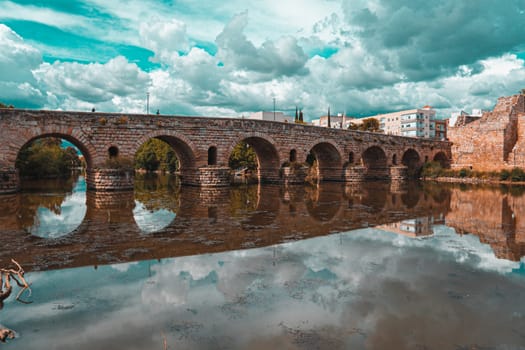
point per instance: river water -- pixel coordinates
(334, 266)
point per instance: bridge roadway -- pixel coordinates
(203, 146)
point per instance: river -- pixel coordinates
(334, 266)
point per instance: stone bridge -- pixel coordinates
(203, 147)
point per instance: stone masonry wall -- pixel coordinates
(496, 141)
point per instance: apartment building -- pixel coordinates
(419, 122)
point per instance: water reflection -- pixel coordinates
(365, 289)
(57, 212)
(163, 219)
(156, 201)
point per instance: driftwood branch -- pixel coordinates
(6, 289)
(18, 276)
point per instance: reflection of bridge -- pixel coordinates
(203, 146)
(216, 219)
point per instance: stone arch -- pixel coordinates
(77, 139)
(329, 160)
(376, 163)
(442, 158)
(412, 161)
(185, 149)
(268, 160)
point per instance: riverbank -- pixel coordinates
(474, 181)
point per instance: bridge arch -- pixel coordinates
(412, 161)
(376, 163)
(268, 160)
(329, 160)
(184, 148)
(442, 159)
(87, 150)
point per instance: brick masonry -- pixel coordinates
(192, 137)
(496, 141)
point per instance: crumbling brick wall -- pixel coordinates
(496, 141)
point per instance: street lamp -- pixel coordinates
(274, 109)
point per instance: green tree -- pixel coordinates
(155, 155)
(2, 105)
(45, 158)
(243, 156)
(370, 125)
(353, 126)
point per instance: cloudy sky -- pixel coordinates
(231, 58)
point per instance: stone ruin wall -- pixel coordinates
(496, 141)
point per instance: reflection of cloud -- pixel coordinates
(465, 249)
(151, 221)
(364, 289)
(49, 224)
(123, 267)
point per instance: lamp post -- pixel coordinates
(274, 109)
(147, 102)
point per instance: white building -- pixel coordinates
(462, 117)
(339, 121)
(413, 122)
(272, 116)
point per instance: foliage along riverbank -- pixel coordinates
(434, 171)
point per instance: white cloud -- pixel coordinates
(93, 83)
(17, 59)
(165, 38)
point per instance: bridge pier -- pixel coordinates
(355, 173)
(9, 180)
(294, 174)
(213, 176)
(100, 179)
(398, 172)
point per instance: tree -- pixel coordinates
(301, 116)
(155, 155)
(522, 91)
(296, 115)
(243, 156)
(2, 105)
(370, 124)
(353, 126)
(329, 124)
(45, 158)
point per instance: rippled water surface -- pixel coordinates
(334, 266)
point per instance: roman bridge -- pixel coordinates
(109, 141)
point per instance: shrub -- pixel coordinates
(464, 172)
(102, 121)
(122, 120)
(504, 175)
(517, 174)
(432, 170)
(120, 163)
